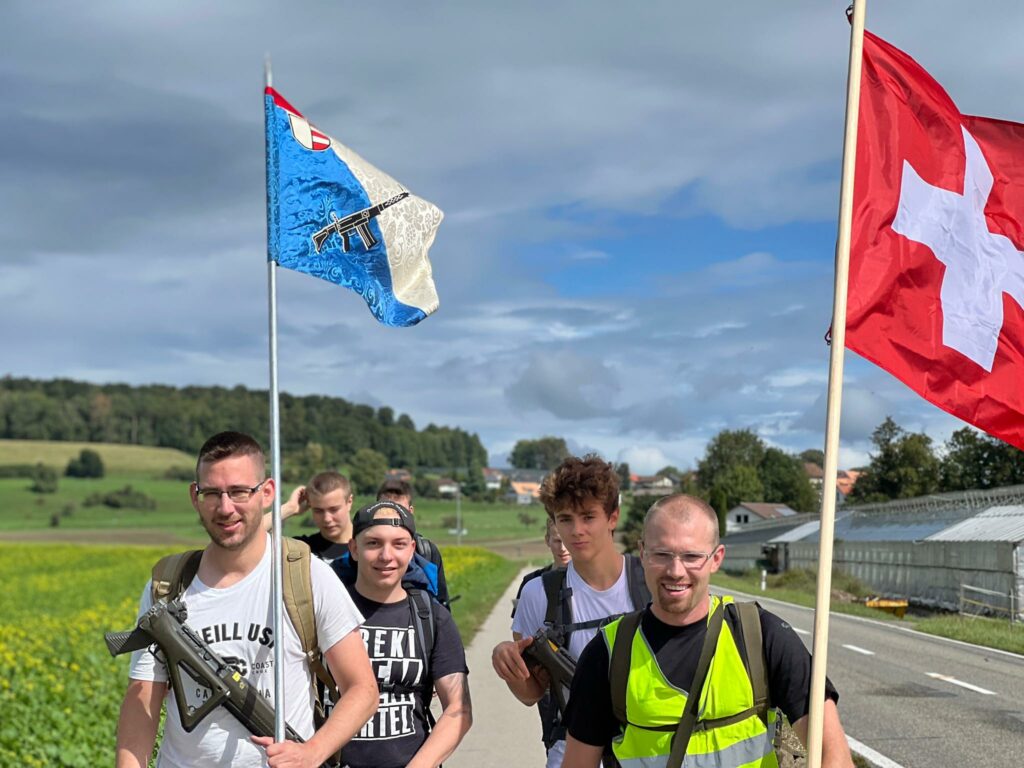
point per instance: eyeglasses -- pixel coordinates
(239, 494)
(692, 561)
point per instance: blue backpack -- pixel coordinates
(422, 574)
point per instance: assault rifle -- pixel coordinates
(355, 222)
(558, 662)
(201, 679)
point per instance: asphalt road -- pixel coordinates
(921, 701)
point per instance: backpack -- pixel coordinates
(558, 616)
(172, 574)
(753, 659)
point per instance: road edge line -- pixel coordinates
(874, 757)
(1010, 654)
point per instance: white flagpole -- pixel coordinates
(277, 592)
(835, 391)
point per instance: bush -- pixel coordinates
(44, 479)
(88, 464)
(527, 519)
(125, 498)
(449, 521)
(67, 510)
(17, 470)
(185, 474)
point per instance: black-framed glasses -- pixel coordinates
(239, 494)
(692, 561)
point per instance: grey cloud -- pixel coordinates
(567, 386)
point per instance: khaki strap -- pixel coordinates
(750, 625)
(618, 666)
(172, 574)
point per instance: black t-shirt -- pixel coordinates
(324, 548)
(677, 649)
(392, 737)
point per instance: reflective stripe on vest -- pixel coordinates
(653, 702)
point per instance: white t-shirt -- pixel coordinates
(237, 622)
(587, 604)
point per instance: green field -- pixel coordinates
(133, 460)
(21, 509)
(59, 688)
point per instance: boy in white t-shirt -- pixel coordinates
(228, 605)
(581, 496)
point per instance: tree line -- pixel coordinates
(907, 464)
(182, 418)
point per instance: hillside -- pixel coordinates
(117, 459)
(182, 418)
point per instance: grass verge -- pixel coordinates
(480, 577)
(992, 633)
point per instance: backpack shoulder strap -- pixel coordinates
(559, 605)
(171, 575)
(422, 610)
(750, 627)
(639, 594)
(423, 546)
(298, 602)
(619, 660)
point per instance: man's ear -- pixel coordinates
(353, 548)
(267, 491)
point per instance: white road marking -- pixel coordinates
(857, 649)
(876, 758)
(961, 683)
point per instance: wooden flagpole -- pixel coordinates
(835, 391)
(277, 571)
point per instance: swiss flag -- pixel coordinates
(936, 271)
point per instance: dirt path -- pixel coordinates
(504, 731)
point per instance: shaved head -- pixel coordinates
(682, 508)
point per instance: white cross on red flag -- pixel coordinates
(936, 287)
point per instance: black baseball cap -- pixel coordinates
(367, 517)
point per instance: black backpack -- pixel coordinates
(558, 617)
(558, 620)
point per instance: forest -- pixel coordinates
(172, 417)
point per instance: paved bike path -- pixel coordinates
(504, 731)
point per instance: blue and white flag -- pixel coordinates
(332, 215)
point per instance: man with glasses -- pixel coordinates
(680, 550)
(228, 603)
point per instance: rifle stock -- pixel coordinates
(191, 662)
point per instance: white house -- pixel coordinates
(752, 511)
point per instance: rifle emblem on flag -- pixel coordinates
(355, 222)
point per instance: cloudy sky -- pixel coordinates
(640, 207)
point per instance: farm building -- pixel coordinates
(945, 550)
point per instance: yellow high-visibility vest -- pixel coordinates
(720, 738)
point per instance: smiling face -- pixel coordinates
(383, 553)
(679, 593)
(232, 525)
(587, 530)
(331, 514)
